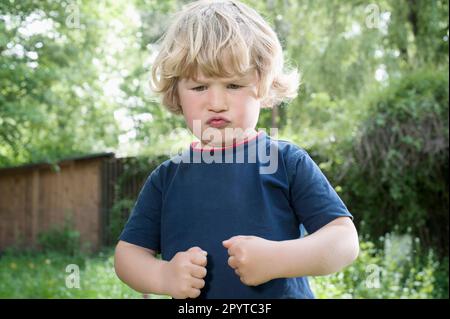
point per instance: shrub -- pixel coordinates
(118, 217)
(63, 239)
(397, 173)
(139, 169)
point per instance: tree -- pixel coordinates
(51, 101)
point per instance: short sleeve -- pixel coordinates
(313, 199)
(143, 226)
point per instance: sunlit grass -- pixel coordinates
(35, 275)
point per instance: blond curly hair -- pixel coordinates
(224, 38)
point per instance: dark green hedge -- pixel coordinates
(399, 174)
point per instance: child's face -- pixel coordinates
(233, 99)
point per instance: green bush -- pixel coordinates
(60, 238)
(397, 170)
(118, 217)
(138, 168)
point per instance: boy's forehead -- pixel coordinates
(202, 78)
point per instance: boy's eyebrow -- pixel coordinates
(207, 80)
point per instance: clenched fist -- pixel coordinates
(185, 272)
(250, 257)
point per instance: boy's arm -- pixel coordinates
(328, 250)
(257, 260)
(139, 268)
(181, 277)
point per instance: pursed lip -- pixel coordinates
(217, 118)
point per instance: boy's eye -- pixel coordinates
(232, 86)
(199, 88)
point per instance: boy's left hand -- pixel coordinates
(250, 257)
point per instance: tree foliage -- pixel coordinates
(51, 102)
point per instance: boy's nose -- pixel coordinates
(217, 107)
(216, 100)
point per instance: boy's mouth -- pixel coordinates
(218, 122)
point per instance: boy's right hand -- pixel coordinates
(185, 272)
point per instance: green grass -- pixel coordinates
(397, 271)
(43, 275)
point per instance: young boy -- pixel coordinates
(226, 225)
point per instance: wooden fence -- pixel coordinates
(33, 198)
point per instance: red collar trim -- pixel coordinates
(195, 148)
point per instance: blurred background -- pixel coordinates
(80, 131)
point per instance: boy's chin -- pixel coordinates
(208, 144)
(224, 142)
(223, 137)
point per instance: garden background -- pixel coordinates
(372, 112)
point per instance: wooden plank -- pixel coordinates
(34, 206)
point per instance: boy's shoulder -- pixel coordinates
(159, 173)
(288, 148)
(165, 165)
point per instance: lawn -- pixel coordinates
(52, 275)
(393, 272)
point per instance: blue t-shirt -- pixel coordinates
(271, 189)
